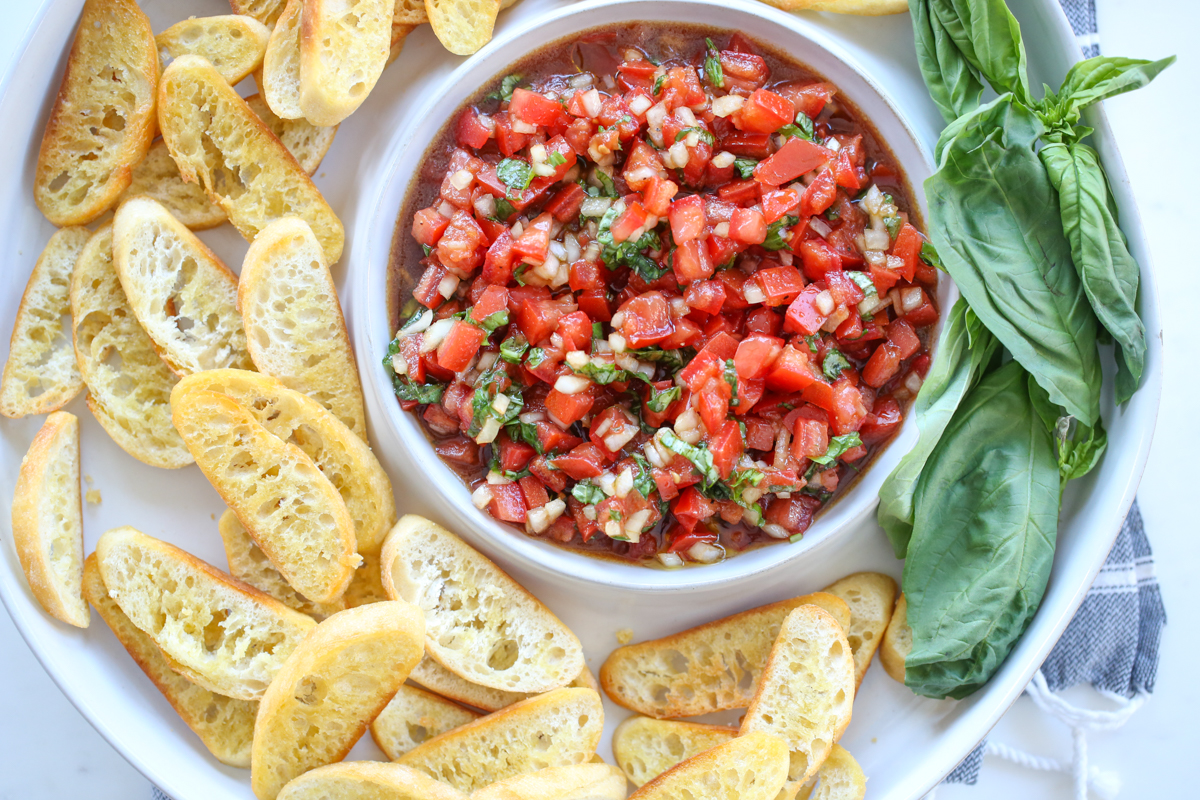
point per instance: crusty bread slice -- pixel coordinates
(307, 143)
(645, 747)
(332, 685)
(412, 12)
(344, 46)
(481, 624)
(247, 562)
(436, 678)
(749, 767)
(41, 374)
(280, 82)
(839, 778)
(215, 630)
(462, 26)
(897, 641)
(871, 597)
(295, 330)
(580, 782)
(215, 138)
(129, 387)
(367, 780)
(181, 293)
(47, 520)
(806, 690)
(556, 729)
(341, 456)
(292, 511)
(708, 668)
(413, 717)
(233, 43)
(102, 121)
(224, 725)
(157, 176)
(367, 584)
(265, 11)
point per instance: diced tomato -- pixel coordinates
(633, 218)
(427, 291)
(470, 131)
(818, 258)
(553, 438)
(901, 334)
(808, 99)
(534, 241)
(777, 203)
(682, 88)
(658, 195)
(509, 141)
(792, 371)
(794, 515)
(756, 355)
(647, 320)
(748, 226)
(810, 439)
(428, 226)
(726, 446)
(534, 492)
(569, 408)
(764, 112)
(924, 314)
(797, 157)
(744, 72)
(748, 145)
(461, 245)
(741, 193)
(803, 315)
(493, 300)
(641, 165)
(760, 434)
(687, 218)
(534, 108)
(586, 275)
(576, 331)
(907, 248)
(514, 456)
(819, 195)
(848, 410)
(883, 278)
(764, 320)
(565, 205)
(584, 461)
(692, 262)
(636, 74)
(537, 319)
(780, 285)
(842, 287)
(594, 303)
(691, 508)
(848, 174)
(705, 296)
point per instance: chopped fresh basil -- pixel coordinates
(930, 256)
(515, 173)
(607, 187)
(490, 322)
(512, 348)
(504, 209)
(705, 136)
(864, 282)
(614, 514)
(658, 83)
(777, 231)
(601, 372)
(732, 379)
(671, 360)
(426, 249)
(698, 454)
(518, 272)
(404, 388)
(838, 446)
(795, 537)
(597, 330)
(505, 92)
(587, 492)
(832, 214)
(661, 399)
(712, 66)
(893, 224)
(835, 364)
(629, 253)
(556, 158)
(745, 166)
(536, 356)
(418, 316)
(642, 480)
(481, 403)
(525, 432)
(801, 129)
(507, 474)
(811, 341)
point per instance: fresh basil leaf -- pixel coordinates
(731, 377)
(1107, 269)
(421, 315)
(518, 272)
(405, 389)
(492, 321)
(505, 92)
(835, 364)
(485, 394)
(892, 224)
(658, 83)
(597, 330)
(698, 454)
(712, 66)
(601, 372)
(811, 340)
(504, 209)
(953, 83)
(1009, 258)
(527, 432)
(512, 348)
(556, 158)
(801, 129)
(745, 166)
(514, 173)
(508, 474)
(536, 356)
(426, 249)
(629, 253)
(864, 282)
(929, 256)
(607, 187)
(661, 399)
(587, 492)
(705, 136)
(983, 544)
(777, 232)
(643, 481)
(966, 350)
(838, 446)
(1079, 453)
(989, 38)
(1107, 76)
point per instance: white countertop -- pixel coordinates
(47, 750)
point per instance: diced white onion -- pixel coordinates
(635, 523)
(399, 364)
(500, 404)
(591, 103)
(595, 206)
(603, 427)
(615, 441)
(753, 292)
(571, 248)
(640, 104)
(724, 106)
(496, 479)
(613, 529)
(705, 553)
(592, 252)
(580, 81)
(655, 116)
(752, 494)
(677, 155)
(607, 483)
(874, 304)
(521, 126)
(445, 209)
(685, 116)
(873, 257)
(723, 159)
(618, 319)
(590, 512)
(577, 359)
(652, 454)
(417, 325)
(485, 362)
(624, 482)
(820, 226)
(776, 531)
(548, 268)
(639, 175)
(531, 417)
(559, 251)
(462, 179)
(447, 286)
(555, 508)
(692, 139)
(617, 342)
(688, 426)
(536, 520)
(485, 205)
(572, 384)
(785, 257)
(913, 382)
(481, 497)
(876, 240)
(434, 336)
(910, 300)
(873, 200)
(721, 229)
(840, 315)
(833, 144)
(670, 560)
(824, 303)
(488, 433)
(609, 81)
(679, 306)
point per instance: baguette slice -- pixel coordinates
(897, 642)
(436, 678)
(181, 293)
(307, 143)
(157, 176)
(220, 633)
(233, 43)
(367, 584)
(247, 562)
(556, 729)
(482, 625)
(47, 520)
(367, 780)
(463, 26)
(413, 717)
(341, 456)
(839, 778)
(215, 138)
(295, 330)
(412, 12)
(102, 121)
(224, 725)
(129, 387)
(750, 767)
(281, 65)
(871, 597)
(332, 685)
(708, 668)
(580, 782)
(291, 510)
(265, 11)
(344, 46)
(41, 374)
(806, 691)
(646, 748)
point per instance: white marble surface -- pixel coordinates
(47, 750)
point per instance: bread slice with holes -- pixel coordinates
(295, 330)
(292, 511)
(897, 642)
(645, 747)
(220, 633)
(462, 27)
(181, 293)
(129, 387)
(749, 767)
(41, 374)
(367, 780)
(47, 520)
(581, 782)
(233, 43)
(157, 176)
(481, 624)
(806, 691)
(307, 143)
(556, 729)
(367, 584)
(839, 778)
(281, 65)
(436, 678)
(102, 121)
(265, 11)
(225, 725)
(871, 597)
(216, 139)
(332, 685)
(247, 562)
(708, 668)
(341, 456)
(413, 717)
(344, 46)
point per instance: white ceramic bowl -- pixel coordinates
(790, 34)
